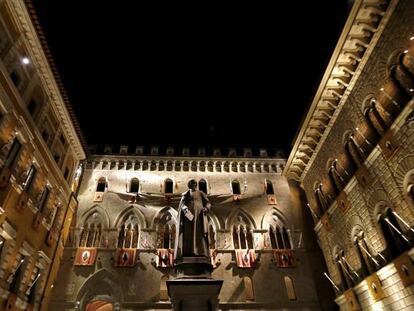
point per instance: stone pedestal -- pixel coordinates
(194, 289)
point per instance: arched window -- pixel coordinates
(335, 179)
(346, 271)
(134, 185)
(397, 241)
(177, 166)
(185, 166)
(101, 187)
(194, 166)
(354, 151)
(321, 199)
(374, 118)
(234, 167)
(344, 281)
(226, 166)
(269, 187)
(366, 259)
(202, 166)
(166, 231)
(169, 166)
(210, 166)
(202, 185)
(145, 165)
(250, 167)
(218, 166)
(168, 186)
(128, 235)
(235, 187)
(161, 166)
(96, 305)
(153, 166)
(290, 288)
(242, 237)
(91, 231)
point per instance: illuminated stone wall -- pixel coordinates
(141, 286)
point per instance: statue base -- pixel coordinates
(194, 289)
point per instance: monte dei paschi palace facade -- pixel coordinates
(329, 227)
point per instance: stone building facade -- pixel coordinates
(354, 159)
(120, 252)
(40, 148)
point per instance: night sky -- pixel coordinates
(206, 75)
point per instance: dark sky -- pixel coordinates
(206, 75)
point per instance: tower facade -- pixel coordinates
(120, 252)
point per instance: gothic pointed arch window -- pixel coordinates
(202, 186)
(91, 231)
(128, 232)
(134, 185)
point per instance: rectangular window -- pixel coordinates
(14, 76)
(31, 107)
(13, 152)
(43, 199)
(29, 178)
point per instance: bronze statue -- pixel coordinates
(192, 233)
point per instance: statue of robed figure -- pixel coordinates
(192, 233)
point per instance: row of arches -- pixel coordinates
(131, 222)
(379, 112)
(194, 166)
(397, 241)
(134, 186)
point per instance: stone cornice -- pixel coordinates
(26, 21)
(355, 45)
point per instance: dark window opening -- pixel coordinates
(134, 185)
(235, 185)
(101, 185)
(13, 152)
(202, 186)
(168, 186)
(14, 76)
(29, 178)
(269, 187)
(43, 199)
(66, 173)
(31, 107)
